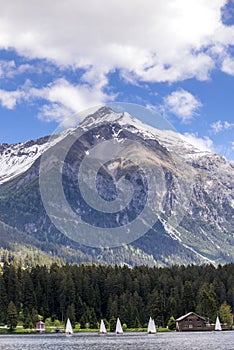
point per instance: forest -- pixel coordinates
(87, 293)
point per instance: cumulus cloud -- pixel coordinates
(182, 104)
(228, 65)
(62, 98)
(220, 126)
(66, 98)
(54, 112)
(202, 143)
(152, 40)
(9, 99)
(145, 41)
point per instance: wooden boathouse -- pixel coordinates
(191, 322)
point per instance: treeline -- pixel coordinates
(27, 256)
(86, 294)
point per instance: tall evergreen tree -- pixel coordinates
(225, 312)
(12, 316)
(207, 305)
(27, 322)
(188, 297)
(112, 323)
(3, 300)
(71, 314)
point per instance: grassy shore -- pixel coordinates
(21, 330)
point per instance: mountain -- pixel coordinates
(190, 193)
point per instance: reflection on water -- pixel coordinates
(127, 341)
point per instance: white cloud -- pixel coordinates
(202, 143)
(228, 65)
(63, 98)
(182, 104)
(232, 143)
(72, 98)
(54, 112)
(216, 127)
(9, 69)
(220, 126)
(152, 40)
(6, 67)
(9, 99)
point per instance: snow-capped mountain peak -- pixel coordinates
(18, 158)
(198, 186)
(169, 138)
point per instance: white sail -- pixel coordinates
(217, 324)
(69, 330)
(151, 326)
(119, 329)
(102, 328)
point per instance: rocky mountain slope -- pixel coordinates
(193, 201)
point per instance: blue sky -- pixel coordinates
(175, 57)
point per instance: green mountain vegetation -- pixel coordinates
(87, 293)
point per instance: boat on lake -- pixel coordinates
(151, 326)
(218, 324)
(102, 328)
(118, 329)
(68, 330)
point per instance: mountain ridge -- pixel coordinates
(205, 233)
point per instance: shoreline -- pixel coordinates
(19, 331)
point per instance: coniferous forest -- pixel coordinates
(87, 293)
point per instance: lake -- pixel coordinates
(127, 341)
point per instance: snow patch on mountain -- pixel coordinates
(17, 158)
(172, 140)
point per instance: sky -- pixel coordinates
(175, 57)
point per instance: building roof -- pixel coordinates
(188, 314)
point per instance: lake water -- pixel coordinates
(127, 341)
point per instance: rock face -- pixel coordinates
(193, 195)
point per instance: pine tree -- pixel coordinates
(28, 291)
(71, 314)
(112, 324)
(12, 316)
(112, 306)
(92, 319)
(207, 303)
(34, 316)
(137, 323)
(171, 323)
(85, 318)
(3, 301)
(27, 323)
(188, 297)
(225, 313)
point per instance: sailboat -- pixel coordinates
(151, 327)
(69, 330)
(102, 328)
(119, 329)
(218, 324)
